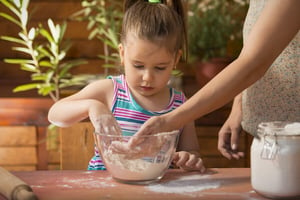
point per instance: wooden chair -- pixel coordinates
(77, 146)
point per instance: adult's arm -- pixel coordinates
(275, 28)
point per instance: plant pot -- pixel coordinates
(205, 71)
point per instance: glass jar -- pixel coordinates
(275, 160)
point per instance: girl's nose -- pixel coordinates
(147, 75)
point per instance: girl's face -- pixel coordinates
(148, 66)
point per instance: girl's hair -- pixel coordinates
(162, 23)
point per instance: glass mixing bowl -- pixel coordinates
(142, 164)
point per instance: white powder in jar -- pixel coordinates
(292, 129)
(278, 176)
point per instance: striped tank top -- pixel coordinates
(130, 115)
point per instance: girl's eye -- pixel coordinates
(160, 68)
(138, 66)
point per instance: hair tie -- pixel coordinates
(154, 1)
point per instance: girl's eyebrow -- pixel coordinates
(161, 63)
(164, 63)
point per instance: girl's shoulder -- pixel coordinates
(98, 88)
(101, 82)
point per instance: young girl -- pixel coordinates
(153, 39)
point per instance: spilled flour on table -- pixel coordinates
(88, 182)
(185, 185)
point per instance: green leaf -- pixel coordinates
(29, 68)
(18, 61)
(26, 87)
(24, 18)
(44, 90)
(62, 55)
(113, 37)
(13, 39)
(11, 19)
(110, 58)
(49, 76)
(31, 34)
(44, 51)
(22, 49)
(109, 65)
(65, 67)
(11, 7)
(45, 63)
(65, 46)
(54, 50)
(47, 35)
(93, 34)
(54, 30)
(63, 29)
(24, 37)
(72, 82)
(17, 3)
(39, 77)
(25, 4)
(177, 73)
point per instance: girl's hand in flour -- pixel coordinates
(103, 120)
(188, 161)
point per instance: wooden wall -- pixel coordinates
(23, 134)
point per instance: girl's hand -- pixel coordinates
(102, 119)
(188, 161)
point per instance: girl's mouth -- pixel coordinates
(145, 88)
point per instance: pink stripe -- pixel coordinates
(96, 162)
(124, 96)
(124, 113)
(132, 117)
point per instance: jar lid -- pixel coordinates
(279, 128)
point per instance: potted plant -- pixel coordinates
(104, 23)
(215, 35)
(43, 52)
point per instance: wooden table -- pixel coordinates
(219, 183)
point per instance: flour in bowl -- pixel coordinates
(134, 169)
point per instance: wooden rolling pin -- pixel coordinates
(13, 188)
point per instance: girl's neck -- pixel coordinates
(157, 102)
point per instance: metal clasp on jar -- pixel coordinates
(270, 147)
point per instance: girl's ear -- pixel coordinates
(178, 56)
(121, 53)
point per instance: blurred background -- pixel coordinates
(50, 49)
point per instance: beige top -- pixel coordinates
(276, 96)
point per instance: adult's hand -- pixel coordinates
(229, 133)
(228, 141)
(152, 126)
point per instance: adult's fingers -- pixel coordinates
(224, 144)
(150, 127)
(235, 135)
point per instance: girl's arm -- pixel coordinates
(92, 101)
